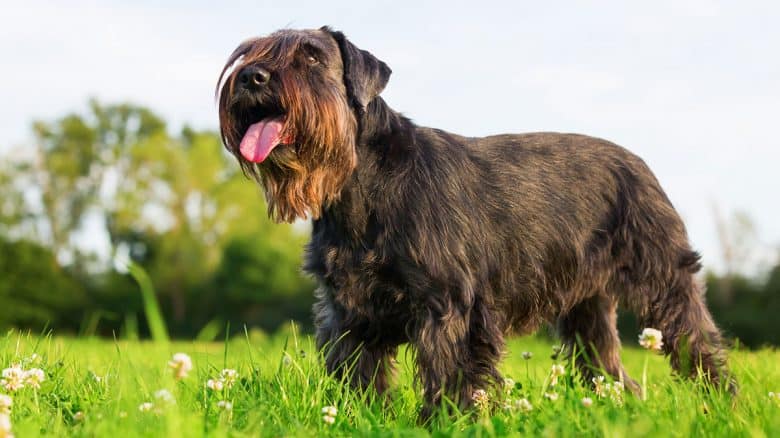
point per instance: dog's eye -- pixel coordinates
(311, 60)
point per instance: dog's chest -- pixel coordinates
(361, 282)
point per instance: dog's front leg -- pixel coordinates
(456, 354)
(351, 347)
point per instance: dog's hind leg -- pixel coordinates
(589, 332)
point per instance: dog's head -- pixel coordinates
(289, 111)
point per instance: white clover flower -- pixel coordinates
(13, 378)
(229, 377)
(587, 402)
(480, 398)
(164, 396)
(616, 392)
(555, 372)
(226, 405)
(651, 339)
(6, 403)
(33, 377)
(78, 417)
(599, 386)
(552, 396)
(509, 384)
(181, 364)
(145, 407)
(607, 391)
(330, 414)
(215, 384)
(286, 359)
(5, 426)
(527, 355)
(524, 405)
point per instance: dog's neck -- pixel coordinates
(385, 140)
(379, 124)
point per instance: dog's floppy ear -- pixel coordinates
(365, 76)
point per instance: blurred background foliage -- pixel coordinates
(179, 207)
(176, 205)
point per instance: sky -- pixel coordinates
(693, 87)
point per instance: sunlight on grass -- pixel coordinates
(275, 386)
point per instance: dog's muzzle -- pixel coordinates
(253, 78)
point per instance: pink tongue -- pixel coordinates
(261, 138)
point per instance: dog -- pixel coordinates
(450, 243)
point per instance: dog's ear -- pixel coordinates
(365, 76)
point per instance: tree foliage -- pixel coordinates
(35, 291)
(178, 205)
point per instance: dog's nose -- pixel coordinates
(253, 77)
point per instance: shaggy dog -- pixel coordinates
(450, 243)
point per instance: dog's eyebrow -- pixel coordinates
(313, 43)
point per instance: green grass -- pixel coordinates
(275, 396)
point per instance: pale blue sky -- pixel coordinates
(691, 86)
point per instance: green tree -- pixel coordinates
(77, 158)
(255, 284)
(188, 199)
(11, 199)
(34, 290)
(178, 204)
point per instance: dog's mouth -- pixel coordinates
(262, 137)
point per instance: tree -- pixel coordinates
(11, 199)
(254, 283)
(77, 158)
(178, 204)
(34, 290)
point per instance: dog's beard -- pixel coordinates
(305, 174)
(284, 178)
(301, 178)
(296, 189)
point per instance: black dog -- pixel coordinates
(450, 242)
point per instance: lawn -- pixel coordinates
(95, 387)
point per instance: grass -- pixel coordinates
(94, 388)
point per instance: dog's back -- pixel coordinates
(555, 218)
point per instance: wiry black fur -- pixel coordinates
(449, 243)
